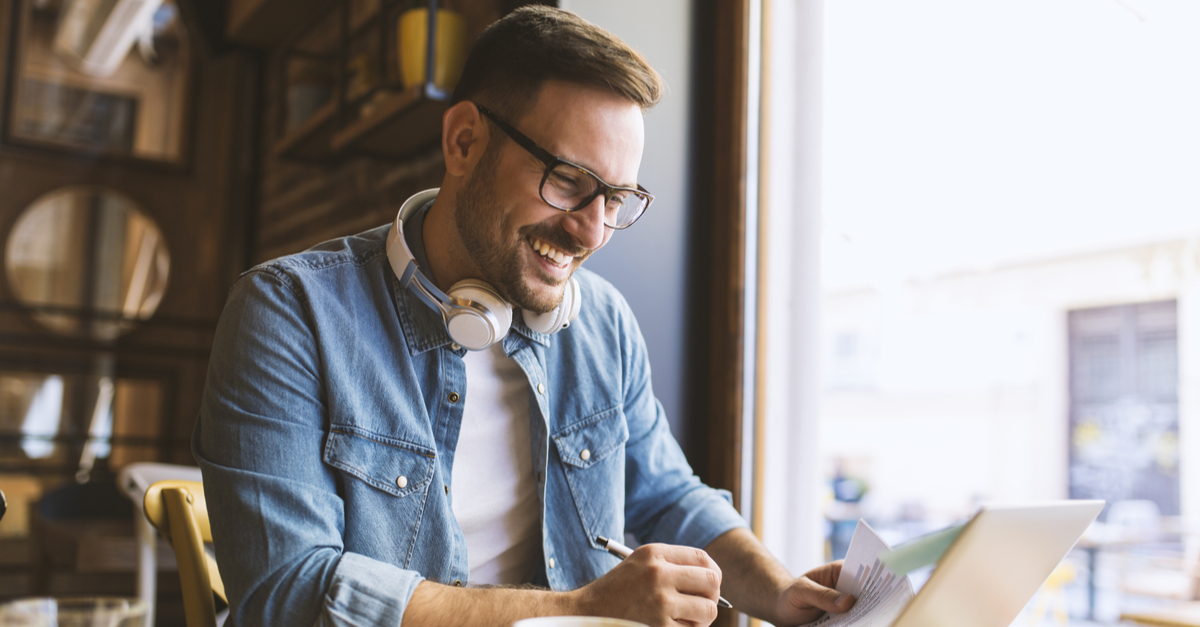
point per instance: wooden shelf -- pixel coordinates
(399, 126)
(312, 140)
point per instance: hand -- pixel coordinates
(660, 585)
(810, 596)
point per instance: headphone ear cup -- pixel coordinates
(476, 328)
(560, 317)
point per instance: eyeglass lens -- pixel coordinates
(570, 188)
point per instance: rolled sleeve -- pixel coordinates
(698, 518)
(367, 592)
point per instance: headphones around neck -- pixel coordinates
(475, 315)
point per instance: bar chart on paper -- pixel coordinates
(881, 595)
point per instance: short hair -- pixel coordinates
(534, 44)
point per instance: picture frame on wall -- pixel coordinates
(86, 79)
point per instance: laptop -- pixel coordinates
(997, 563)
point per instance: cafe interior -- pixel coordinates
(153, 150)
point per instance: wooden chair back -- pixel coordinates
(178, 510)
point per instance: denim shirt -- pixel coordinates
(329, 423)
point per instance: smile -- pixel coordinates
(551, 253)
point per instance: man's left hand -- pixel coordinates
(810, 596)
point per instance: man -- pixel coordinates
(362, 467)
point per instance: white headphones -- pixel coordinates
(474, 313)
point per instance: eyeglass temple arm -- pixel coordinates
(519, 137)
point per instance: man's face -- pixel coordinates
(503, 221)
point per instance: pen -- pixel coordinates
(622, 551)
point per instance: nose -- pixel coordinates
(586, 224)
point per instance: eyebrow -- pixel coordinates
(520, 135)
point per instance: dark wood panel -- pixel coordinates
(303, 205)
(718, 255)
(719, 258)
(268, 23)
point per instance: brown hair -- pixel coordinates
(533, 44)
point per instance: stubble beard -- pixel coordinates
(494, 247)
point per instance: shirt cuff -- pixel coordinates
(367, 592)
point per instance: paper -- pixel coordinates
(881, 594)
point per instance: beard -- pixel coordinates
(497, 249)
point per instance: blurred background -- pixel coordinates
(1010, 288)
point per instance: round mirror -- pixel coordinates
(87, 262)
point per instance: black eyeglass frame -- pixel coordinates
(552, 161)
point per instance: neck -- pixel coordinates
(448, 260)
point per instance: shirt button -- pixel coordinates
(402, 482)
(541, 389)
(585, 455)
(458, 583)
(552, 562)
(454, 397)
(454, 346)
(447, 488)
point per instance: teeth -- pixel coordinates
(544, 249)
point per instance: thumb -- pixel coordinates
(815, 595)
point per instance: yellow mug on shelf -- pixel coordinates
(450, 49)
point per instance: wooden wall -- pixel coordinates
(302, 205)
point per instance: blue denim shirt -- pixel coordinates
(327, 435)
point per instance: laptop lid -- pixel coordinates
(997, 564)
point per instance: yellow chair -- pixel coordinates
(178, 510)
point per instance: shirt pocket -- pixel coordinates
(592, 452)
(396, 467)
(385, 483)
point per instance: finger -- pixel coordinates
(807, 592)
(682, 555)
(826, 575)
(696, 580)
(686, 608)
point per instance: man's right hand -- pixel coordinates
(660, 585)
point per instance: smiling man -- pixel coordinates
(431, 423)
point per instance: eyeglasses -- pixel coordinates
(571, 187)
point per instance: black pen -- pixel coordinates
(622, 551)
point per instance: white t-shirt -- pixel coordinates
(494, 489)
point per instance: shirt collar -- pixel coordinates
(423, 327)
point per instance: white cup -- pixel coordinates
(575, 621)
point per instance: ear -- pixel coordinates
(464, 138)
